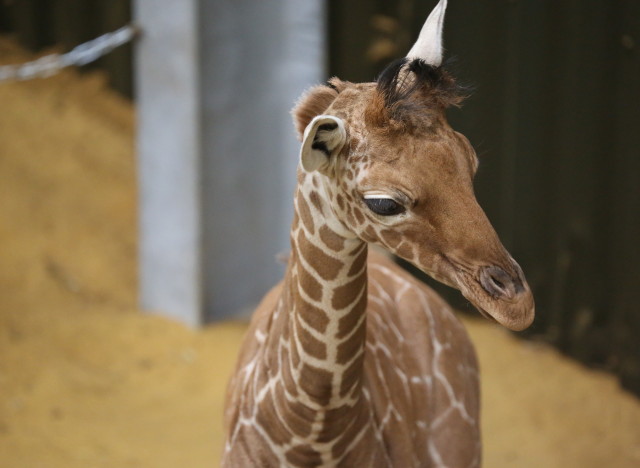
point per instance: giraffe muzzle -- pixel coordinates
(500, 284)
(500, 294)
(503, 296)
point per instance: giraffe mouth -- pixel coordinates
(485, 314)
(511, 306)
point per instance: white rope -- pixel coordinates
(79, 55)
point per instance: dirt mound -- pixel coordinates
(88, 381)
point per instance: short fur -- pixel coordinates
(313, 102)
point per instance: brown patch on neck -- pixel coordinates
(314, 317)
(346, 294)
(358, 263)
(326, 266)
(309, 343)
(351, 376)
(305, 214)
(332, 240)
(309, 285)
(347, 323)
(315, 199)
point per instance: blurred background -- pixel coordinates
(160, 178)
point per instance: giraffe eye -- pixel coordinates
(384, 206)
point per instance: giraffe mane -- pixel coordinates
(411, 94)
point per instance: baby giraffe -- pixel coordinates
(349, 361)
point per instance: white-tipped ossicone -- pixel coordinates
(428, 47)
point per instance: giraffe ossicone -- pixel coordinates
(349, 361)
(428, 47)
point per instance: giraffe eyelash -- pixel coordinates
(383, 205)
(373, 195)
(398, 196)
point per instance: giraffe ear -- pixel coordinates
(324, 136)
(314, 101)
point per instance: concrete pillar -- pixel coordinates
(218, 154)
(169, 146)
(257, 59)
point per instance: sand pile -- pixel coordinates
(86, 380)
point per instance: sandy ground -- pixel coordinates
(86, 380)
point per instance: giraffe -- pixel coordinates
(349, 361)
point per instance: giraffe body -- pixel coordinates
(349, 362)
(415, 383)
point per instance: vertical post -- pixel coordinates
(169, 158)
(215, 81)
(257, 57)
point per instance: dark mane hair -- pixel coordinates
(410, 88)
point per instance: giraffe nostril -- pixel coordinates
(499, 283)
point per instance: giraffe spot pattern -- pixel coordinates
(346, 294)
(347, 438)
(325, 265)
(309, 284)
(315, 200)
(286, 366)
(358, 263)
(331, 239)
(295, 360)
(300, 417)
(268, 418)
(247, 443)
(316, 383)
(347, 323)
(405, 251)
(314, 317)
(351, 375)
(390, 237)
(349, 348)
(334, 417)
(305, 215)
(311, 345)
(369, 234)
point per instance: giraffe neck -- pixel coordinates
(322, 310)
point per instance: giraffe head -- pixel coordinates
(397, 175)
